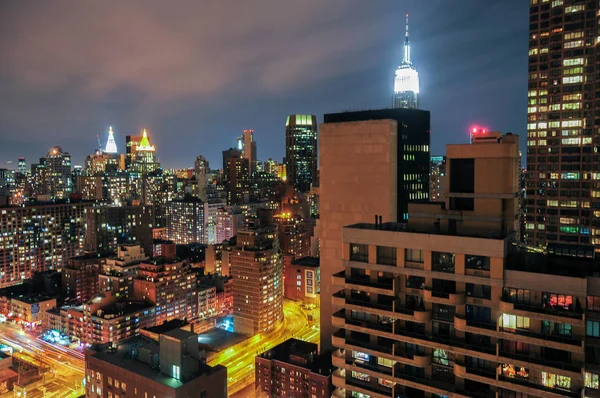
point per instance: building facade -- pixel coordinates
(170, 286)
(80, 277)
(185, 221)
(301, 153)
(37, 238)
(293, 369)
(562, 179)
(437, 178)
(302, 279)
(257, 271)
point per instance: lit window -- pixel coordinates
(591, 380)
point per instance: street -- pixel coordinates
(64, 367)
(239, 359)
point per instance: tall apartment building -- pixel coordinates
(249, 151)
(385, 155)
(293, 369)
(257, 271)
(80, 277)
(109, 226)
(237, 176)
(170, 286)
(185, 220)
(173, 366)
(452, 304)
(57, 173)
(562, 164)
(301, 152)
(37, 238)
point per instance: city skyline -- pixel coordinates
(368, 43)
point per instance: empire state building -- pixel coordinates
(406, 82)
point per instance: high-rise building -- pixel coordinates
(230, 153)
(117, 273)
(293, 368)
(185, 221)
(22, 166)
(57, 181)
(257, 271)
(211, 212)
(390, 174)
(169, 285)
(109, 226)
(131, 144)
(301, 151)
(412, 150)
(144, 160)
(406, 81)
(171, 366)
(424, 302)
(294, 237)
(562, 188)
(201, 170)
(237, 180)
(437, 178)
(111, 145)
(38, 238)
(249, 151)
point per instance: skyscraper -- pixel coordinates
(201, 169)
(58, 184)
(563, 192)
(111, 145)
(406, 82)
(22, 166)
(185, 221)
(249, 151)
(257, 271)
(301, 151)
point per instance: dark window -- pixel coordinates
(593, 303)
(386, 255)
(462, 175)
(359, 252)
(479, 291)
(477, 262)
(442, 262)
(415, 282)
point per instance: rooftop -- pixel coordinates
(402, 227)
(167, 326)
(126, 356)
(32, 298)
(179, 334)
(301, 353)
(307, 262)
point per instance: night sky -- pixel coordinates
(196, 73)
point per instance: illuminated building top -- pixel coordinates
(111, 145)
(144, 144)
(406, 82)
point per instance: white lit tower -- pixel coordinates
(406, 82)
(111, 145)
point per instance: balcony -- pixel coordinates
(485, 376)
(339, 393)
(368, 327)
(414, 265)
(443, 298)
(338, 299)
(535, 360)
(338, 279)
(373, 370)
(338, 319)
(429, 385)
(536, 311)
(338, 359)
(384, 308)
(364, 282)
(556, 341)
(372, 390)
(535, 389)
(413, 359)
(415, 315)
(338, 378)
(338, 338)
(478, 327)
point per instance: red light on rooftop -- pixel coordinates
(474, 130)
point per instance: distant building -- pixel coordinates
(437, 178)
(293, 369)
(302, 279)
(39, 237)
(80, 277)
(31, 309)
(237, 176)
(118, 272)
(110, 226)
(185, 220)
(294, 238)
(57, 183)
(110, 320)
(301, 151)
(257, 271)
(406, 82)
(170, 286)
(207, 301)
(201, 170)
(230, 153)
(249, 151)
(173, 366)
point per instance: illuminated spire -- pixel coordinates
(111, 145)
(406, 58)
(145, 143)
